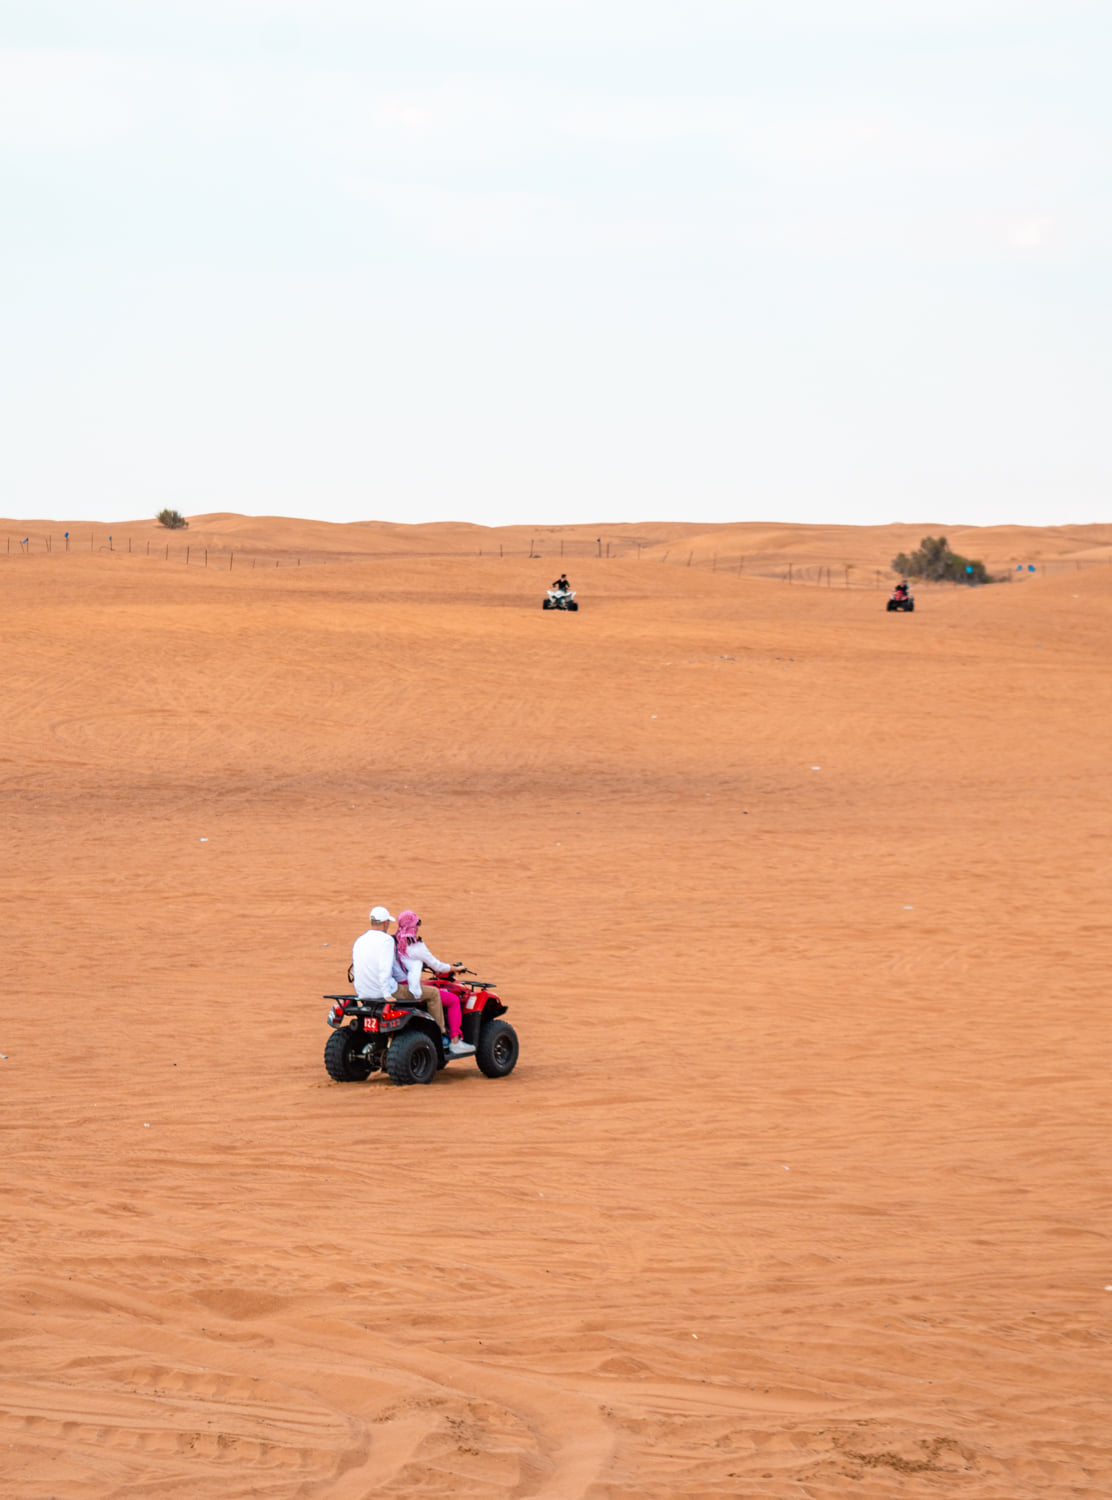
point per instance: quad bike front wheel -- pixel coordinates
(496, 1053)
(342, 1059)
(412, 1058)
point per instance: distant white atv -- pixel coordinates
(560, 599)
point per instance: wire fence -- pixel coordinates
(193, 554)
(813, 574)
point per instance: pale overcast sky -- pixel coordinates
(541, 260)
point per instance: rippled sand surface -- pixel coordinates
(801, 1186)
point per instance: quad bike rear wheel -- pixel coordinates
(412, 1058)
(497, 1050)
(342, 1060)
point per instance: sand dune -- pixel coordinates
(800, 1186)
(761, 548)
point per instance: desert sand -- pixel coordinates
(801, 1185)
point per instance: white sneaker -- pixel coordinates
(460, 1048)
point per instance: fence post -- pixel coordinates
(231, 561)
(690, 555)
(187, 554)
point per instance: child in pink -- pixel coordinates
(412, 953)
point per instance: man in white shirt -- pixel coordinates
(372, 966)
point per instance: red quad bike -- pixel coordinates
(405, 1041)
(900, 600)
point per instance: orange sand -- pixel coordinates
(800, 1188)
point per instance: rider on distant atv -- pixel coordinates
(902, 590)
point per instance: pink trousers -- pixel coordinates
(453, 1010)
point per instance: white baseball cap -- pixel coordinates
(380, 914)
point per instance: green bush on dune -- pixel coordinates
(173, 519)
(934, 561)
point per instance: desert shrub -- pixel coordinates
(173, 519)
(934, 560)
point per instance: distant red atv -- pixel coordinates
(405, 1041)
(901, 599)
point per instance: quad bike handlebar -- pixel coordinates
(458, 971)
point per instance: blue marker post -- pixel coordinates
(67, 537)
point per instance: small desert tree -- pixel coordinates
(173, 519)
(935, 561)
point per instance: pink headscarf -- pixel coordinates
(406, 933)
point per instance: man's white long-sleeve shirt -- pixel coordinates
(372, 963)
